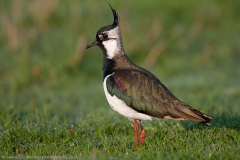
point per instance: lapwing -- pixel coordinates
(133, 91)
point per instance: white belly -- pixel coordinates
(121, 107)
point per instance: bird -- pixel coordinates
(134, 92)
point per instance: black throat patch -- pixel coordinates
(108, 65)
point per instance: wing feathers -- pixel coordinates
(143, 92)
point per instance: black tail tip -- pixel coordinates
(208, 120)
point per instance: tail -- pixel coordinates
(185, 112)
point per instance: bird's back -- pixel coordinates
(145, 93)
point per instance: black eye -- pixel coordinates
(105, 36)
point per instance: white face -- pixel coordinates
(111, 43)
(111, 47)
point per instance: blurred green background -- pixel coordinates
(45, 71)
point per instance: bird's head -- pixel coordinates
(108, 38)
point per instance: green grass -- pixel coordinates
(51, 97)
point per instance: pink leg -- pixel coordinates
(143, 134)
(136, 133)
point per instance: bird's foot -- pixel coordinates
(136, 144)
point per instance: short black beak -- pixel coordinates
(92, 44)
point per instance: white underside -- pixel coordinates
(121, 107)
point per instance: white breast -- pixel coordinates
(121, 107)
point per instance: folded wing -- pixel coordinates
(143, 92)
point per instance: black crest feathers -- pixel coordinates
(115, 17)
